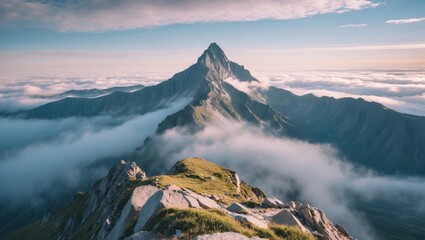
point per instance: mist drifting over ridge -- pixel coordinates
(289, 168)
(57, 158)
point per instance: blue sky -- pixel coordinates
(182, 30)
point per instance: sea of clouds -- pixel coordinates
(401, 90)
(21, 93)
(40, 158)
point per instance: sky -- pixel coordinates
(94, 36)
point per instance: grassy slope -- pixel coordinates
(195, 174)
(37, 232)
(195, 222)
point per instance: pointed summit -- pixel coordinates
(216, 62)
(213, 53)
(214, 59)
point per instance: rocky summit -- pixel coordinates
(197, 199)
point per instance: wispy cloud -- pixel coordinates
(405, 21)
(93, 15)
(353, 25)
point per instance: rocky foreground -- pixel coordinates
(196, 200)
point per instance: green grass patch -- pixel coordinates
(204, 177)
(193, 222)
(291, 233)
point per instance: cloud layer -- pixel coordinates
(52, 156)
(19, 93)
(405, 21)
(288, 168)
(400, 90)
(106, 15)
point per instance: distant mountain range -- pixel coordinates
(366, 133)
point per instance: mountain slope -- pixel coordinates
(203, 82)
(94, 92)
(366, 132)
(183, 84)
(196, 197)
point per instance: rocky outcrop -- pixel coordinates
(285, 217)
(272, 202)
(131, 210)
(103, 199)
(125, 204)
(162, 199)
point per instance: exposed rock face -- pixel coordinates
(198, 201)
(112, 186)
(325, 227)
(285, 217)
(161, 199)
(131, 210)
(272, 202)
(254, 220)
(306, 213)
(102, 200)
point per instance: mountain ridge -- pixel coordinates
(207, 199)
(367, 132)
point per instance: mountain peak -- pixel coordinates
(214, 48)
(221, 67)
(213, 54)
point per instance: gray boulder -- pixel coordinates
(261, 223)
(305, 212)
(238, 208)
(272, 202)
(137, 200)
(202, 201)
(158, 201)
(285, 217)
